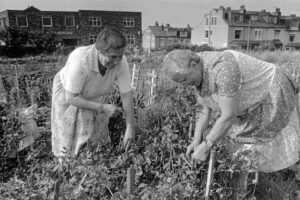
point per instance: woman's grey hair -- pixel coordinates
(179, 61)
(110, 38)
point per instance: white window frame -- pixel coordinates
(130, 39)
(241, 33)
(94, 20)
(73, 19)
(46, 17)
(18, 21)
(258, 34)
(128, 22)
(92, 39)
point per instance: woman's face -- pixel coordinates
(111, 57)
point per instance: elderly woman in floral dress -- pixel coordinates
(79, 109)
(256, 100)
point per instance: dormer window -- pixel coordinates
(253, 18)
(236, 18)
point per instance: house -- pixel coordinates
(74, 27)
(160, 37)
(242, 29)
(292, 39)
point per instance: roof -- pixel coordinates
(296, 44)
(254, 24)
(160, 31)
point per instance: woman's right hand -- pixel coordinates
(191, 147)
(110, 109)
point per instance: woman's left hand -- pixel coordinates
(129, 136)
(201, 152)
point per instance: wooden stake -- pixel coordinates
(130, 179)
(210, 173)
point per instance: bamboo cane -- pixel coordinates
(210, 173)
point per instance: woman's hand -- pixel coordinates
(110, 109)
(129, 136)
(201, 152)
(191, 148)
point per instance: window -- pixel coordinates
(69, 21)
(257, 34)
(292, 37)
(206, 33)
(183, 34)
(130, 39)
(92, 39)
(293, 23)
(128, 22)
(236, 18)
(253, 17)
(95, 21)
(214, 21)
(276, 34)
(206, 22)
(46, 21)
(238, 34)
(22, 21)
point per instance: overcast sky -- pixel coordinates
(175, 12)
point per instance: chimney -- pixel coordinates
(167, 25)
(263, 10)
(228, 9)
(242, 9)
(221, 11)
(156, 23)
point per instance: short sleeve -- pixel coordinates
(123, 77)
(75, 75)
(228, 78)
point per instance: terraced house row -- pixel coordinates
(243, 29)
(74, 28)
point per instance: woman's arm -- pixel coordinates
(229, 111)
(202, 121)
(127, 102)
(76, 100)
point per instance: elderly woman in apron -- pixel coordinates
(79, 109)
(257, 104)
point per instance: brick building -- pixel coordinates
(161, 37)
(74, 28)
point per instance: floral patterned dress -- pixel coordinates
(265, 134)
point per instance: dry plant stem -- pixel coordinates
(19, 118)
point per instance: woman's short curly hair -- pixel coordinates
(110, 38)
(179, 61)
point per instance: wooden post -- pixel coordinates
(130, 180)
